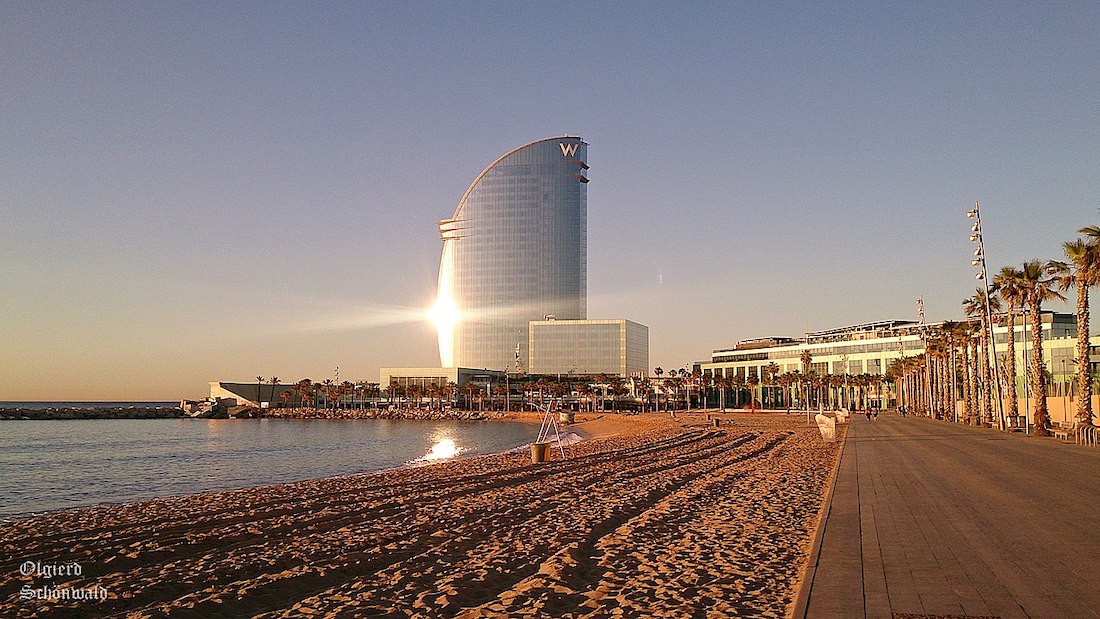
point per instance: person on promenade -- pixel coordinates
(867, 411)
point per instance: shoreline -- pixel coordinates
(586, 433)
(656, 516)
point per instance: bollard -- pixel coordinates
(717, 422)
(540, 452)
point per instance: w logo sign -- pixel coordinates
(568, 150)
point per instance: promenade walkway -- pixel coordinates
(933, 519)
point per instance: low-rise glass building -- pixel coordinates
(614, 346)
(423, 378)
(870, 348)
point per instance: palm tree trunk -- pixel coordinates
(987, 379)
(1010, 364)
(975, 409)
(968, 412)
(1038, 373)
(1084, 379)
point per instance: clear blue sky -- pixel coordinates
(200, 191)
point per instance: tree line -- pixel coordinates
(957, 366)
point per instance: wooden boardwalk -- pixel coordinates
(930, 518)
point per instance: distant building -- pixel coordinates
(436, 377)
(262, 395)
(515, 253)
(615, 347)
(515, 250)
(870, 349)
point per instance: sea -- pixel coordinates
(63, 464)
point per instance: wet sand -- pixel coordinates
(655, 517)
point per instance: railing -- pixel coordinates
(1085, 435)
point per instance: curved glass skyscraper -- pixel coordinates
(514, 251)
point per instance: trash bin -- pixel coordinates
(540, 452)
(717, 422)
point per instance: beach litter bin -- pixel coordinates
(540, 452)
(717, 422)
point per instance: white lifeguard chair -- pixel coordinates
(540, 449)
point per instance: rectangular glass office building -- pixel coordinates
(617, 347)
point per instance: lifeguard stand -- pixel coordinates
(549, 422)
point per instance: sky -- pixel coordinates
(192, 192)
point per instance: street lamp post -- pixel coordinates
(983, 274)
(927, 358)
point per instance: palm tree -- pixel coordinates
(933, 353)
(304, 390)
(673, 383)
(958, 335)
(696, 381)
(966, 335)
(973, 372)
(782, 385)
(274, 383)
(975, 306)
(259, 393)
(660, 372)
(1082, 272)
(618, 389)
(722, 383)
(771, 371)
(737, 381)
(806, 359)
(1039, 284)
(1010, 285)
(500, 390)
(751, 382)
(604, 381)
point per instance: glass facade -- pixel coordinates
(514, 251)
(614, 346)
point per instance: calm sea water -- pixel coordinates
(51, 465)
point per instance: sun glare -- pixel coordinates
(442, 450)
(444, 314)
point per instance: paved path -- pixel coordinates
(932, 519)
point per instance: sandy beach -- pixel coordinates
(652, 516)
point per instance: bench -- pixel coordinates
(1061, 431)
